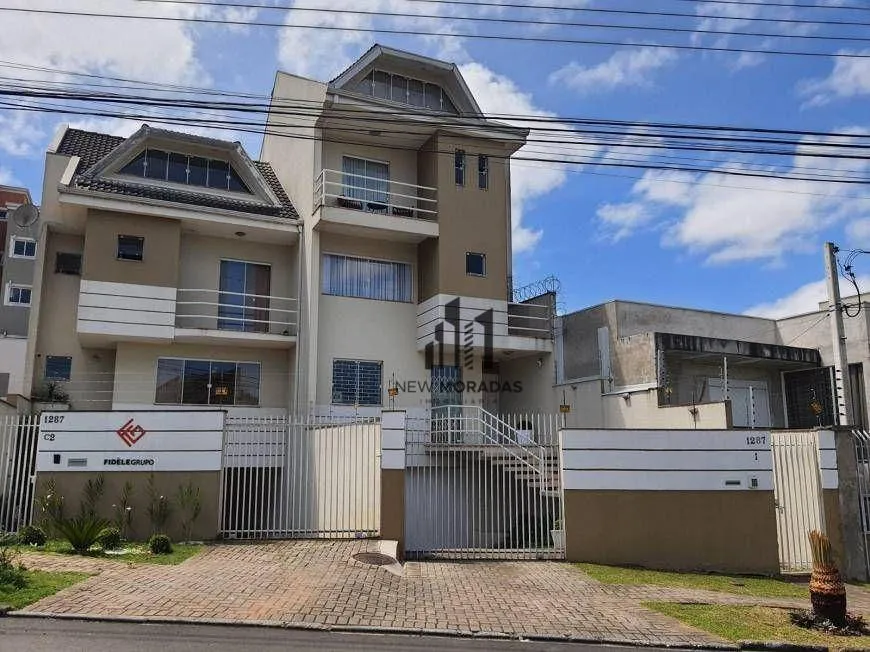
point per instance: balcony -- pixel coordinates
(375, 207)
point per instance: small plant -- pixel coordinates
(827, 591)
(94, 489)
(190, 505)
(82, 532)
(50, 504)
(51, 392)
(124, 511)
(159, 507)
(159, 544)
(32, 535)
(12, 573)
(109, 538)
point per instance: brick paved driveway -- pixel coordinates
(319, 583)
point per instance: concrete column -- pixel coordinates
(393, 478)
(853, 562)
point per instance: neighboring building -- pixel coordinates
(634, 365)
(404, 189)
(18, 251)
(167, 276)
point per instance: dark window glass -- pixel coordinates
(369, 387)
(217, 174)
(223, 383)
(177, 168)
(248, 384)
(19, 295)
(68, 264)
(155, 165)
(459, 165)
(483, 172)
(136, 167)
(58, 367)
(170, 373)
(24, 248)
(196, 380)
(447, 104)
(416, 95)
(475, 264)
(356, 382)
(433, 97)
(381, 85)
(130, 247)
(236, 183)
(198, 171)
(365, 85)
(399, 89)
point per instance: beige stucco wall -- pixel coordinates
(136, 371)
(160, 256)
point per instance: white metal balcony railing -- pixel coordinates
(375, 195)
(236, 311)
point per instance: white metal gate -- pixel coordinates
(797, 491)
(480, 486)
(861, 439)
(301, 476)
(18, 438)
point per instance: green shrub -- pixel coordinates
(109, 538)
(159, 544)
(32, 535)
(81, 532)
(189, 501)
(12, 574)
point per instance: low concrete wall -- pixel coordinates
(724, 531)
(71, 486)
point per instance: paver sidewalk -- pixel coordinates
(319, 583)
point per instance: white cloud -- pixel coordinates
(849, 78)
(805, 299)
(623, 68)
(859, 233)
(621, 220)
(7, 177)
(19, 133)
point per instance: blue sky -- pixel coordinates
(708, 241)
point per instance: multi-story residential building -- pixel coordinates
(404, 189)
(167, 276)
(626, 364)
(18, 249)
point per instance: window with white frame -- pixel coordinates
(18, 295)
(366, 181)
(189, 170)
(356, 382)
(364, 278)
(207, 382)
(23, 247)
(483, 172)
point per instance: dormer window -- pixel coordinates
(397, 88)
(185, 169)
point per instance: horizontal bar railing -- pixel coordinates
(530, 319)
(236, 311)
(334, 188)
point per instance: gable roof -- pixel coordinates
(96, 149)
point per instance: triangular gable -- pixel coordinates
(250, 183)
(414, 66)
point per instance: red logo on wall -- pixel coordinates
(131, 433)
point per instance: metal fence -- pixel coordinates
(18, 438)
(301, 476)
(861, 440)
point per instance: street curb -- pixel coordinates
(365, 629)
(775, 646)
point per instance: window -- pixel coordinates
(130, 247)
(207, 382)
(68, 264)
(356, 382)
(18, 295)
(398, 88)
(363, 278)
(188, 170)
(3, 213)
(244, 297)
(23, 247)
(475, 264)
(366, 181)
(459, 165)
(483, 172)
(58, 367)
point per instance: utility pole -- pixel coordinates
(842, 393)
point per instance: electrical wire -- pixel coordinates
(847, 272)
(442, 34)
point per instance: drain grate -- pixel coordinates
(374, 558)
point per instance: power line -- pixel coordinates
(452, 35)
(767, 3)
(516, 21)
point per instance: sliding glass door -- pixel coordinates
(244, 297)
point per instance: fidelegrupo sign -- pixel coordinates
(130, 441)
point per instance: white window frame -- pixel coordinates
(8, 292)
(374, 259)
(15, 240)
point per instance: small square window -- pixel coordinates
(18, 295)
(130, 247)
(23, 248)
(459, 166)
(58, 367)
(483, 172)
(68, 264)
(475, 264)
